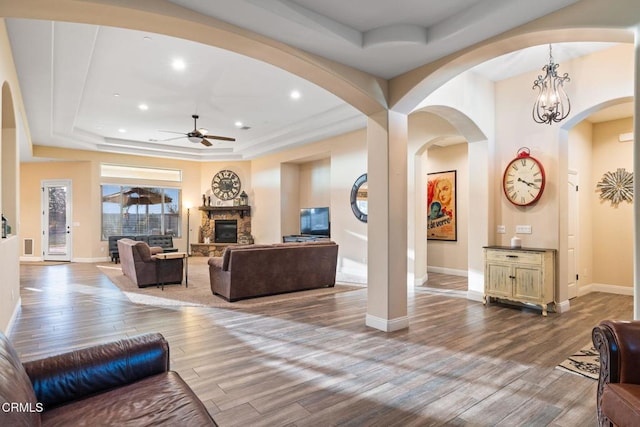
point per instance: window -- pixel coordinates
(136, 210)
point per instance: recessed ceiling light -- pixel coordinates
(121, 130)
(116, 94)
(295, 94)
(143, 107)
(238, 124)
(178, 64)
(146, 38)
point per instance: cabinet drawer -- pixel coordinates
(520, 257)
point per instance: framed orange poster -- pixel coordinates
(441, 206)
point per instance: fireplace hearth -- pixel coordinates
(225, 231)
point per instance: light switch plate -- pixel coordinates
(502, 229)
(523, 229)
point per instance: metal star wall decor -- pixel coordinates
(616, 186)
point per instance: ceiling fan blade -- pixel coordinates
(171, 139)
(205, 142)
(170, 131)
(221, 138)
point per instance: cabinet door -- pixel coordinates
(528, 283)
(499, 280)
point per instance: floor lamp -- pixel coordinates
(188, 229)
(186, 266)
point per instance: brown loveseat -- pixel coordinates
(260, 270)
(618, 398)
(126, 382)
(139, 264)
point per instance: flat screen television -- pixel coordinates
(315, 221)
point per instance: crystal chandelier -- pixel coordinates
(552, 104)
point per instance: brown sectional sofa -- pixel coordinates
(126, 382)
(259, 270)
(618, 397)
(139, 264)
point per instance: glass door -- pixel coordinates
(56, 221)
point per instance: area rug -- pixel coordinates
(198, 293)
(585, 362)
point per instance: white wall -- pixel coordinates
(12, 134)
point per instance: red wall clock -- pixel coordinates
(523, 180)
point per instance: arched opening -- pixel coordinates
(445, 138)
(9, 156)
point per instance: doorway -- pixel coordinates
(56, 220)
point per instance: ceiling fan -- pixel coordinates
(198, 135)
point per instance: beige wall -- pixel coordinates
(327, 169)
(612, 225)
(304, 184)
(444, 256)
(605, 246)
(315, 183)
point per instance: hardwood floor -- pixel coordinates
(315, 363)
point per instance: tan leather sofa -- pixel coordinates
(259, 270)
(126, 382)
(139, 264)
(618, 396)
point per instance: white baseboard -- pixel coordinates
(475, 296)
(91, 260)
(341, 276)
(451, 271)
(387, 325)
(563, 306)
(14, 316)
(419, 281)
(602, 287)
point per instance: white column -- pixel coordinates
(387, 141)
(636, 181)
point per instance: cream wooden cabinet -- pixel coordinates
(524, 275)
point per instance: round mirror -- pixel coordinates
(359, 193)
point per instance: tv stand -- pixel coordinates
(303, 238)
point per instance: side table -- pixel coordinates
(162, 257)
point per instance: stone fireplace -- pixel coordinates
(220, 227)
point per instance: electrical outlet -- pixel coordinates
(502, 229)
(523, 229)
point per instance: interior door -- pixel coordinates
(56, 221)
(572, 235)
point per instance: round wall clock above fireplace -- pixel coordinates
(524, 179)
(225, 185)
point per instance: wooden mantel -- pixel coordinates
(210, 210)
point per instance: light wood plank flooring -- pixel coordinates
(315, 363)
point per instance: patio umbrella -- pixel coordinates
(137, 196)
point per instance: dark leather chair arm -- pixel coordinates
(76, 374)
(618, 343)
